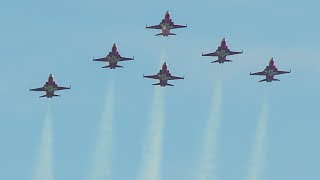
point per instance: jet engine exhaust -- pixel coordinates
(259, 146)
(152, 155)
(102, 151)
(44, 166)
(210, 140)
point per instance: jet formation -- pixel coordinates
(166, 25)
(49, 87)
(163, 76)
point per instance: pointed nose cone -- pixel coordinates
(223, 43)
(271, 60)
(114, 47)
(271, 63)
(164, 66)
(167, 17)
(50, 79)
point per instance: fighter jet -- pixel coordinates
(163, 75)
(270, 71)
(222, 52)
(113, 58)
(166, 25)
(50, 87)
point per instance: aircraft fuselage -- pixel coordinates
(163, 77)
(270, 73)
(165, 28)
(223, 53)
(113, 58)
(50, 88)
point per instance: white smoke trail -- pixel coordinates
(151, 167)
(44, 167)
(102, 155)
(258, 154)
(210, 144)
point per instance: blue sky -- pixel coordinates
(62, 37)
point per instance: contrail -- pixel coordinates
(210, 143)
(151, 167)
(44, 167)
(152, 152)
(102, 155)
(258, 154)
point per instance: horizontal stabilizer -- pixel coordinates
(169, 84)
(165, 35)
(112, 67)
(156, 84)
(215, 61)
(275, 79)
(221, 61)
(263, 80)
(49, 96)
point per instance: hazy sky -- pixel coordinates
(267, 129)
